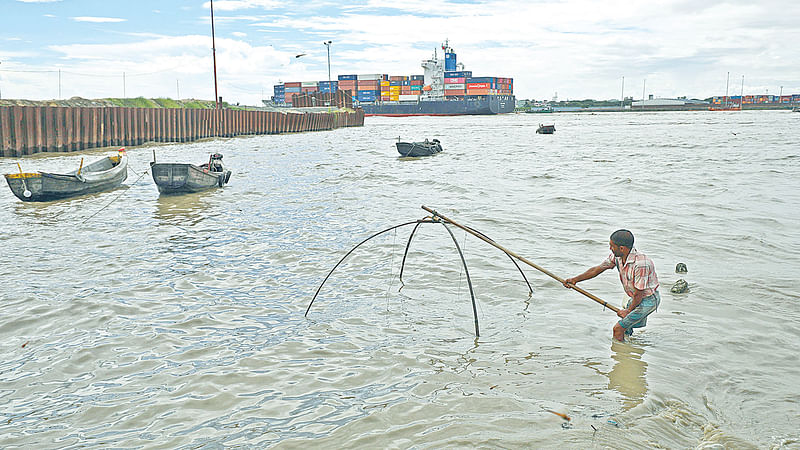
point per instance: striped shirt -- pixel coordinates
(638, 272)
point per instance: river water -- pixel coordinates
(133, 320)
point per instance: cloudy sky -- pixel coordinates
(575, 48)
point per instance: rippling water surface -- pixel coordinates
(178, 321)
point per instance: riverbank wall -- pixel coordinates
(25, 130)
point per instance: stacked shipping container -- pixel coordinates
(756, 99)
(370, 88)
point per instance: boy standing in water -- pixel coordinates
(638, 276)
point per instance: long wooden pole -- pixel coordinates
(214, 56)
(436, 216)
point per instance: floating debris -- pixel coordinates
(679, 287)
(681, 268)
(26, 343)
(613, 422)
(562, 415)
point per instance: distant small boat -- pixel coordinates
(181, 178)
(425, 148)
(101, 175)
(546, 129)
(795, 109)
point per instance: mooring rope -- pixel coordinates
(116, 198)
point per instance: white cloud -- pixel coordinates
(98, 19)
(232, 5)
(239, 34)
(39, 1)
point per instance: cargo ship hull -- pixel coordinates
(487, 105)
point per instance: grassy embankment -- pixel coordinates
(138, 102)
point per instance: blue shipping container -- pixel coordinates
(417, 77)
(395, 83)
(406, 83)
(348, 77)
(449, 61)
(481, 80)
(462, 74)
(292, 89)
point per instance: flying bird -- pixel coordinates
(301, 54)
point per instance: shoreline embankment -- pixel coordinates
(26, 130)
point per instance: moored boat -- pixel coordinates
(424, 148)
(181, 178)
(102, 175)
(546, 129)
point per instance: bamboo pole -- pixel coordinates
(510, 253)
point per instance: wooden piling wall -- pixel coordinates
(25, 130)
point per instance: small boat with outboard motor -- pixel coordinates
(102, 175)
(181, 178)
(546, 129)
(424, 148)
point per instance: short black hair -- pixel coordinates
(623, 238)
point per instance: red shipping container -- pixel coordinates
(479, 85)
(292, 84)
(453, 92)
(417, 82)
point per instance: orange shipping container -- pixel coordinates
(478, 91)
(459, 92)
(479, 85)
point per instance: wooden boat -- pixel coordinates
(101, 175)
(546, 129)
(181, 178)
(425, 148)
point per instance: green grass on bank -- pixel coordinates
(141, 102)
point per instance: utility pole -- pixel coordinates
(643, 88)
(622, 95)
(330, 88)
(214, 55)
(124, 94)
(726, 89)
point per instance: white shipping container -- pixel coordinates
(370, 76)
(455, 86)
(408, 98)
(309, 83)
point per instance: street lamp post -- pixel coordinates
(330, 87)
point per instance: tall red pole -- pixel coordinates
(214, 54)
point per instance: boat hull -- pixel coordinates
(416, 149)
(487, 105)
(546, 129)
(103, 175)
(180, 178)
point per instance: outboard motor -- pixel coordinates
(216, 162)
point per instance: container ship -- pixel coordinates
(444, 89)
